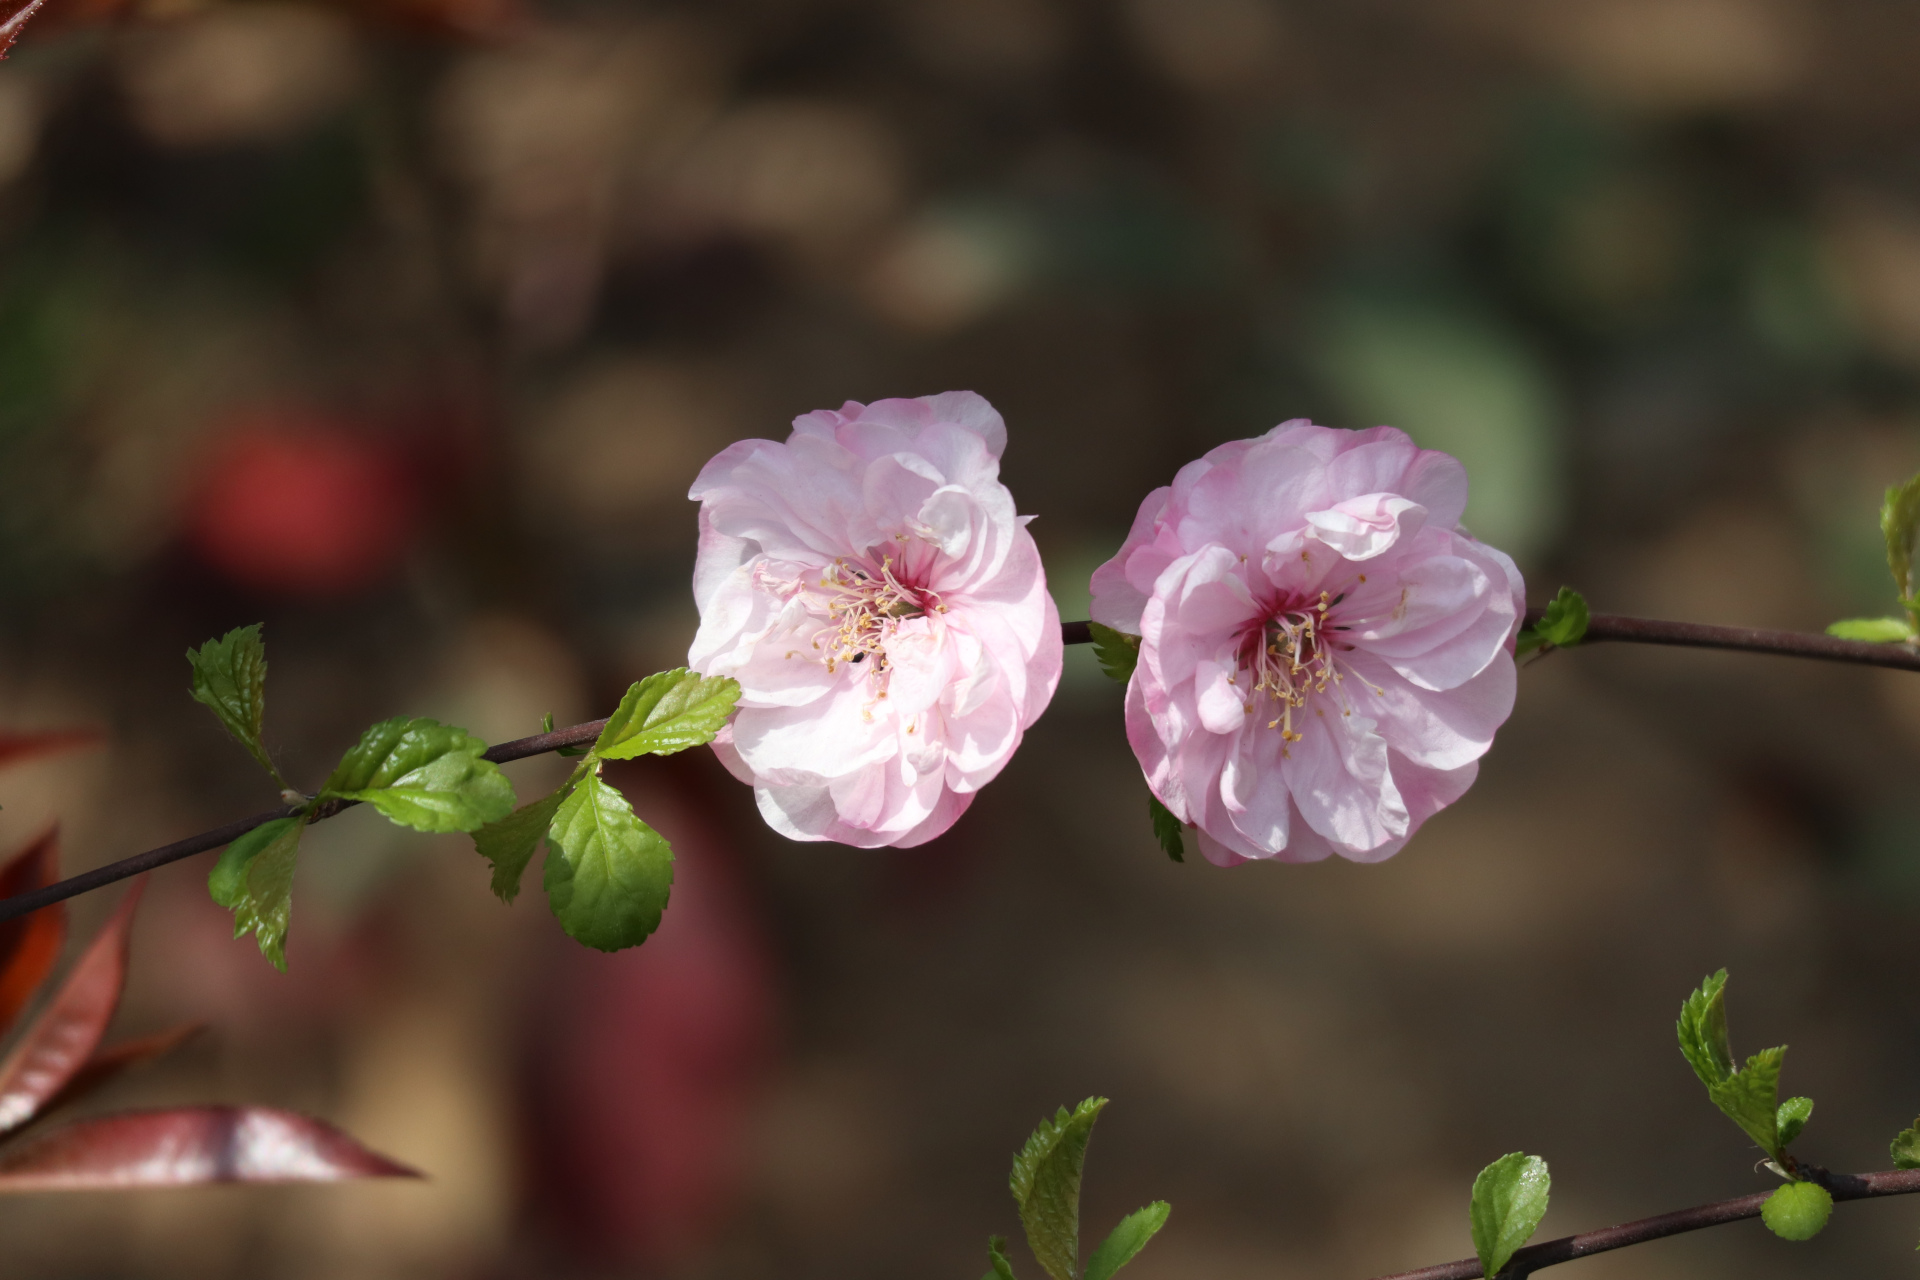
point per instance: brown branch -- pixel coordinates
(1844, 1186)
(1600, 627)
(1699, 635)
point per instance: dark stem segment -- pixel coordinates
(1844, 1186)
(1699, 635)
(1599, 627)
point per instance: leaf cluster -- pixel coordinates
(607, 873)
(1900, 527)
(1750, 1097)
(1046, 1186)
(421, 774)
(1563, 625)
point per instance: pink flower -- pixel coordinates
(883, 608)
(1324, 653)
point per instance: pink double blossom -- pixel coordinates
(871, 587)
(1324, 653)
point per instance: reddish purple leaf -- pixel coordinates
(30, 944)
(25, 746)
(17, 16)
(190, 1146)
(60, 1040)
(108, 1065)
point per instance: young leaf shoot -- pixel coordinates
(1509, 1199)
(1563, 625)
(1797, 1211)
(1117, 651)
(230, 679)
(1167, 829)
(1046, 1185)
(254, 880)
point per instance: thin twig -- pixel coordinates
(1699, 635)
(1844, 1186)
(1600, 627)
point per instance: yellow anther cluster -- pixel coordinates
(1294, 660)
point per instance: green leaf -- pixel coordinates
(509, 843)
(1126, 1240)
(666, 713)
(1876, 630)
(1797, 1211)
(254, 879)
(1900, 523)
(1792, 1118)
(1905, 1148)
(611, 879)
(230, 679)
(1509, 1199)
(1563, 625)
(425, 775)
(1167, 829)
(1046, 1185)
(997, 1255)
(1703, 1031)
(1750, 1097)
(1117, 651)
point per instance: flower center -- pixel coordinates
(1290, 657)
(865, 607)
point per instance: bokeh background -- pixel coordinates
(403, 325)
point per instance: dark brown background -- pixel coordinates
(404, 329)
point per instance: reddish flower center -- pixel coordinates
(1290, 656)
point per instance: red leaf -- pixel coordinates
(190, 1146)
(30, 944)
(55, 1045)
(108, 1065)
(16, 19)
(25, 746)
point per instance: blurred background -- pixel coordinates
(403, 325)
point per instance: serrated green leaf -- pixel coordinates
(1509, 1199)
(1126, 1240)
(1167, 829)
(610, 880)
(1117, 651)
(1905, 1148)
(666, 713)
(254, 880)
(1046, 1185)
(509, 843)
(997, 1255)
(1900, 524)
(423, 774)
(1875, 630)
(1792, 1118)
(1750, 1097)
(1797, 1211)
(1703, 1031)
(230, 679)
(1562, 625)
